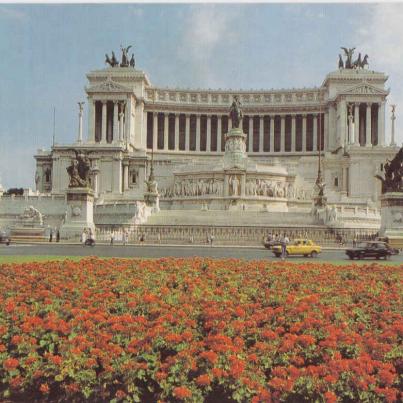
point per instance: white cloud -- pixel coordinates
(206, 28)
(380, 35)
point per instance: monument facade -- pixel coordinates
(182, 150)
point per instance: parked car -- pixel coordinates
(373, 249)
(304, 247)
(4, 238)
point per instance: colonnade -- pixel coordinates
(265, 133)
(365, 123)
(107, 121)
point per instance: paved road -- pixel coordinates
(156, 251)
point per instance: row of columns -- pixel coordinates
(250, 132)
(354, 119)
(116, 119)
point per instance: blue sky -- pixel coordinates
(47, 50)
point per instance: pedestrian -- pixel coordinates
(142, 238)
(112, 238)
(125, 238)
(211, 240)
(159, 237)
(51, 235)
(284, 242)
(355, 241)
(83, 237)
(57, 236)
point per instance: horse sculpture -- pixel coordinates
(112, 61)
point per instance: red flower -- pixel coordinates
(330, 397)
(182, 392)
(203, 380)
(10, 364)
(44, 388)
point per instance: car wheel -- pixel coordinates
(305, 255)
(386, 257)
(286, 253)
(277, 254)
(377, 257)
(314, 253)
(7, 243)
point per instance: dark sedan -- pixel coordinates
(4, 238)
(374, 250)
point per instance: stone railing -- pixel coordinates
(231, 235)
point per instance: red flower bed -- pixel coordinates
(200, 330)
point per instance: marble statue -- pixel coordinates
(234, 182)
(341, 63)
(112, 61)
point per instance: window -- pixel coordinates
(47, 175)
(336, 181)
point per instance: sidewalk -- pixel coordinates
(170, 245)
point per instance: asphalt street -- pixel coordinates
(157, 251)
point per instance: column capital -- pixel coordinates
(369, 104)
(357, 103)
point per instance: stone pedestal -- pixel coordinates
(235, 156)
(392, 218)
(80, 213)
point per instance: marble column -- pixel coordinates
(282, 134)
(176, 132)
(103, 131)
(304, 133)
(343, 122)
(155, 130)
(368, 128)
(128, 114)
(219, 132)
(166, 130)
(230, 124)
(197, 132)
(393, 118)
(350, 125)
(208, 134)
(272, 133)
(125, 175)
(121, 124)
(115, 135)
(293, 133)
(315, 133)
(250, 134)
(91, 120)
(261, 133)
(325, 130)
(357, 124)
(80, 122)
(381, 124)
(187, 132)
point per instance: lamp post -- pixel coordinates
(320, 200)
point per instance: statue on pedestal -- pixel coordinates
(112, 61)
(393, 181)
(235, 112)
(79, 170)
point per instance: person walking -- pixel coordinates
(83, 237)
(112, 238)
(51, 235)
(284, 241)
(57, 236)
(125, 238)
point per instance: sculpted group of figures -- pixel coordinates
(358, 63)
(79, 170)
(194, 187)
(254, 187)
(113, 62)
(393, 181)
(267, 188)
